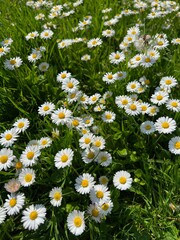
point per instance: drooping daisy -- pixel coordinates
(89, 156)
(56, 196)
(64, 158)
(104, 158)
(27, 177)
(165, 125)
(14, 203)
(8, 138)
(108, 116)
(45, 142)
(86, 140)
(33, 216)
(173, 104)
(46, 34)
(21, 125)
(122, 180)
(95, 212)
(133, 108)
(116, 57)
(84, 183)
(109, 78)
(168, 82)
(159, 97)
(13, 63)
(75, 222)
(61, 116)
(43, 67)
(147, 127)
(6, 158)
(46, 108)
(99, 194)
(174, 145)
(94, 42)
(30, 155)
(2, 214)
(12, 185)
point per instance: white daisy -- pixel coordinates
(46, 108)
(45, 142)
(133, 86)
(86, 140)
(86, 57)
(30, 155)
(95, 212)
(70, 85)
(64, 158)
(94, 98)
(2, 214)
(174, 145)
(159, 97)
(8, 138)
(6, 158)
(94, 42)
(153, 110)
(33, 216)
(4, 50)
(99, 194)
(133, 108)
(21, 125)
(56, 196)
(27, 177)
(147, 127)
(173, 104)
(147, 61)
(75, 222)
(84, 183)
(165, 125)
(14, 203)
(43, 67)
(104, 158)
(13, 63)
(106, 207)
(109, 78)
(33, 57)
(99, 142)
(46, 34)
(61, 116)
(32, 35)
(108, 33)
(89, 155)
(122, 180)
(122, 101)
(108, 116)
(116, 57)
(168, 82)
(103, 180)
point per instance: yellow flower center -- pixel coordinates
(46, 108)
(108, 116)
(168, 82)
(110, 76)
(77, 221)
(133, 107)
(129, 39)
(30, 155)
(174, 104)
(147, 82)
(83, 99)
(177, 145)
(133, 85)
(103, 180)
(99, 194)
(143, 108)
(70, 85)
(19, 165)
(165, 125)
(94, 42)
(105, 206)
(34, 55)
(3, 159)
(103, 158)
(32, 34)
(122, 180)
(61, 115)
(87, 140)
(133, 32)
(84, 183)
(63, 75)
(97, 143)
(138, 58)
(87, 121)
(44, 142)
(8, 136)
(90, 155)
(148, 127)
(1, 49)
(160, 43)
(33, 215)
(147, 60)
(46, 34)
(64, 158)
(95, 212)
(94, 98)
(72, 95)
(28, 177)
(57, 196)
(20, 125)
(124, 102)
(117, 56)
(12, 61)
(12, 202)
(75, 122)
(159, 97)
(177, 40)
(84, 131)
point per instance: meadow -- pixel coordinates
(89, 120)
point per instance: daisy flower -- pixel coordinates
(168, 82)
(86, 140)
(94, 42)
(61, 116)
(7, 42)
(147, 61)
(133, 86)
(122, 180)
(65, 43)
(75, 222)
(133, 31)
(120, 75)
(108, 33)
(122, 101)
(45, 142)
(173, 104)
(27, 177)
(109, 78)
(153, 53)
(70, 85)
(2, 214)
(74, 96)
(32, 35)
(106, 207)
(13, 63)
(46, 34)
(108, 116)
(89, 156)
(46, 108)
(12, 186)
(43, 67)
(84, 183)
(88, 121)
(99, 194)
(30, 155)
(116, 57)
(64, 158)
(103, 180)
(161, 43)
(94, 98)
(133, 108)
(33, 57)
(21, 125)
(56, 196)
(147, 127)
(86, 57)
(4, 50)
(6, 158)
(99, 142)
(104, 158)
(95, 212)
(165, 125)
(33, 216)
(159, 97)
(174, 145)
(175, 41)
(144, 107)
(14, 203)
(8, 137)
